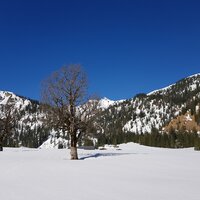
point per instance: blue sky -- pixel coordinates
(125, 46)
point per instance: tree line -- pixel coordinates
(154, 139)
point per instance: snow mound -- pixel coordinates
(54, 143)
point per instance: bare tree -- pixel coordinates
(65, 95)
(8, 119)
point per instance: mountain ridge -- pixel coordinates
(138, 115)
(144, 112)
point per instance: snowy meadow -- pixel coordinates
(133, 172)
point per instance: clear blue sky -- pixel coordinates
(125, 46)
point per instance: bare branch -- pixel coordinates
(65, 93)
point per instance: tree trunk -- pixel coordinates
(1, 145)
(74, 154)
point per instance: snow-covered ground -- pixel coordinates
(133, 173)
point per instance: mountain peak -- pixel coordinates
(104, 103)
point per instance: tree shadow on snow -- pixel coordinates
(97, 155)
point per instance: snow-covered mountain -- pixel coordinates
(29, 130)
(154, 110)
(144, 113)
(20, 103)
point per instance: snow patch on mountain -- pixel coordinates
(9, 97)
(105, 103)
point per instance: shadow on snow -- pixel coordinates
(97, 155)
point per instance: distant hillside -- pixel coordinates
(175, 108)
(29, 130)
(146, 113)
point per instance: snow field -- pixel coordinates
(135, 172)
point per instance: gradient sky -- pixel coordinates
(125, 46)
